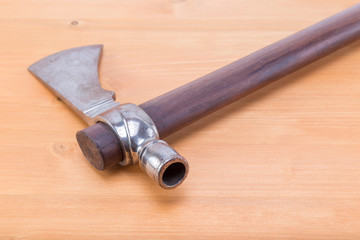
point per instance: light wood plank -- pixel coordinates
(283, 163)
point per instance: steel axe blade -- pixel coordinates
(72, 75)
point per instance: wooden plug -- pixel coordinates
(100, 146)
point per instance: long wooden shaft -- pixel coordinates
(181, 106)
(178, 108)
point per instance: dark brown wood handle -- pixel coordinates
(178, 108)
(181, 106)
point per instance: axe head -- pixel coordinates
(72, 75)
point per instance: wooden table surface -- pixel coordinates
(283, 163)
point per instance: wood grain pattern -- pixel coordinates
(282, 163)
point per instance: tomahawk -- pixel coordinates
(128, 134)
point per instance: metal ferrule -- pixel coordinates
(139, 138)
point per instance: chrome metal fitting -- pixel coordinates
(140, 142)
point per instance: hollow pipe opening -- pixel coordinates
(163, 164)
(173, 174)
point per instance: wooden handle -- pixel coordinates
(178, 108)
